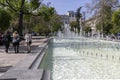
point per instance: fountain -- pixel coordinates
(76, 58)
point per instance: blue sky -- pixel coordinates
(62, 6)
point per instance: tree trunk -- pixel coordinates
(20, 25)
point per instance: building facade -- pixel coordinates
(71, 15)
(92, 22)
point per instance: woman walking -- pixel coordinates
(28, 40)
(6, 40)
(16, 40)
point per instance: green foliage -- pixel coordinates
(103, 9)
(32, 14)
(107, 26)
(98, 26)
(115, 29)
(42, 29)
(87, 29)
(56, 23)
(34, 4)
(24, 5)
(21, 8)
(116, 21)
(53, 25)
(73, 26)
(116, 17)
(46, 12)
(4, 19)
(50, 19)
(56, 27)
(78, 14)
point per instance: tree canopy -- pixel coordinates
(4, 19)
(29, 14)
(103, 10)
(21, 7)
(116, 22)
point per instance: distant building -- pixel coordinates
(65, 19)
(92, 22)
(71, 15)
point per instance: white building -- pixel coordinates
(71, 15)
(92, 24)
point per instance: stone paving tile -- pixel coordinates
(1, 74)
(10, 59)
(24, 74)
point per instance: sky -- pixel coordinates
(62, 6)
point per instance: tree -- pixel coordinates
(87, 29)
(4, 19)
(74, 26)
(116, 22)
(56, 23)
(53, 21)
(116, 17)
(42, 29)
(47, 12)
(21, 7)
(48, 21)
(103, 9)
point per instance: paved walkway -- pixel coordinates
(11, 59)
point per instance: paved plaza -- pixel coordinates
(10, 59)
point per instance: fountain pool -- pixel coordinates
(76, 59)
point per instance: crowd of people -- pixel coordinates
(15, 40)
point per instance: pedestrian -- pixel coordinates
(28, 40)
(16, 40)
(6, 40)
(1, 38)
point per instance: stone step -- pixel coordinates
(9, 79)
(46, 75)
(5, 68)
(23, 75)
